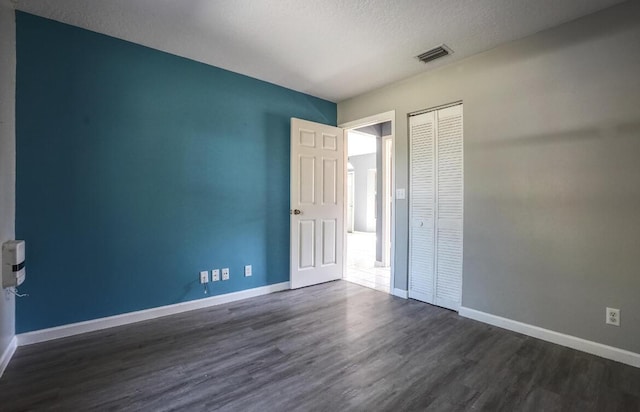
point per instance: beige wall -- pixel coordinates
(552, 173)
(7, 157)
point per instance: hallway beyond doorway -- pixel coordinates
(361, 258)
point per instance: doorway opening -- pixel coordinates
(369, 202)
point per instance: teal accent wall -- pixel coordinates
(136, 169)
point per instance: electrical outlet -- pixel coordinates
(613, 316)
(215, 275)
(225, 274)
(204, 276)
(247, 270)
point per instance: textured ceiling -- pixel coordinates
(334, 49)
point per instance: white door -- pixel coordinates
(422, 129)
(436, 207)
(449, 207)
(317, 203)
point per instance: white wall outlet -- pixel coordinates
(613, 316)
(204, 276)
(400, 194)
(247, 270)
(225, 274)
(215, 275)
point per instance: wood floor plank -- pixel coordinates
(336, 346)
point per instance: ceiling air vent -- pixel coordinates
(434, 53)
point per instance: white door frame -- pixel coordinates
(350, 196)
(387, 190)
(389, 116)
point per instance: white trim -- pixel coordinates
(394, 241)
(8, 354)
(368, 121)
(138, 316)
(594, 348)
(389, 116)
(387, 190)
(400, 293)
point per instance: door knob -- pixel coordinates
(294, 212)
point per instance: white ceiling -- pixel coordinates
(334, 49)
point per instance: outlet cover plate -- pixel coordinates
(204, 276)
(225, 274)
(247, 270)
(613, 317)
(215, 275)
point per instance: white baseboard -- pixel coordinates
(594, 348)
(63, 331)
(7, 354)
(400, 293)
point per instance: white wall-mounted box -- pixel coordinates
(13, 258)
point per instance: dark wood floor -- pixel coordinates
(333, 347)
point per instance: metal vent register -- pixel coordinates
(434, 53)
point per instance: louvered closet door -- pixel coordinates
(449, 207)
(436, 207)
(422, 207)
